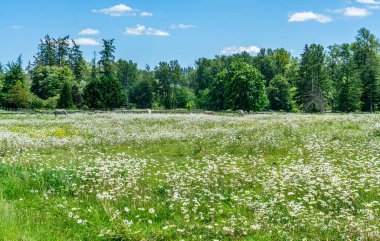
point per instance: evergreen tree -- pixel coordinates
(265, 64)
(77, 96)
(127, 72)
(112, 92)
(18, 96)
(77, 63)
(163, 74)
(142, 91)
(346, 78)
(313, 86)
(15, 73)
(65, 98)
(14, 92)
(367, 63)
(62, 46)
(92, 94)
(107, 57)
(46, 55)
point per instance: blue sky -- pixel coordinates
(149, 31)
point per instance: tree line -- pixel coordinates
(342, 78)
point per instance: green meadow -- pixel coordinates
(189, 177)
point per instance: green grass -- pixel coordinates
(191, 177)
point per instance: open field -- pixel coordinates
(190, 177)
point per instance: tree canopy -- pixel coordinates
(342, 78)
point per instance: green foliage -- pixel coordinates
(203, 100)
(48, 81)
(14, 91)
(346, 78)
(52, 102)
(245, 87)
(18, 96)
(35, 102)
(185, 98)
(105, 93)
(279, 94)
(313, 86)
(92, 94)
(127, 73)
(366, 58)
(190, 177)
(77, 96)
(14, 74)
(107, 57)
(142, 93)
(170, 78)
(112, 94)
(77, 63)
(65, 98)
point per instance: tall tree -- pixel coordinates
(18, 96)
(77, 62)
(264, 63)
(281, 61)
(367, 63)
(14, 89)
(107, 57)
(48, 81)
(112, 94)
(93, 94)
(279, 94)
(62, 50)
(127, 72)
(46, 55)
(141, 94)
(163, 74)
(245, 87)
(313, 85)
(348, 89)
(15, 73)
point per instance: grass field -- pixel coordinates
(189, 177)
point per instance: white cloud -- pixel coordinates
(367, 1)
(117, 10)
(182, 26)
(235, 50)
(309, 16)
(87, 41)
(354, 12)
(89, 31)
(142, 30)
(146, 14)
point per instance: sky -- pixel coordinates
(150, 31)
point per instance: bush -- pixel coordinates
(51, 103)
(35, 102)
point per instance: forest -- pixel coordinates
(339, 78)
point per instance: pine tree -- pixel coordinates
(313, 86)
(18, 96)
(367, 63)
(107, 57)
(348, 89)
(77, 62)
